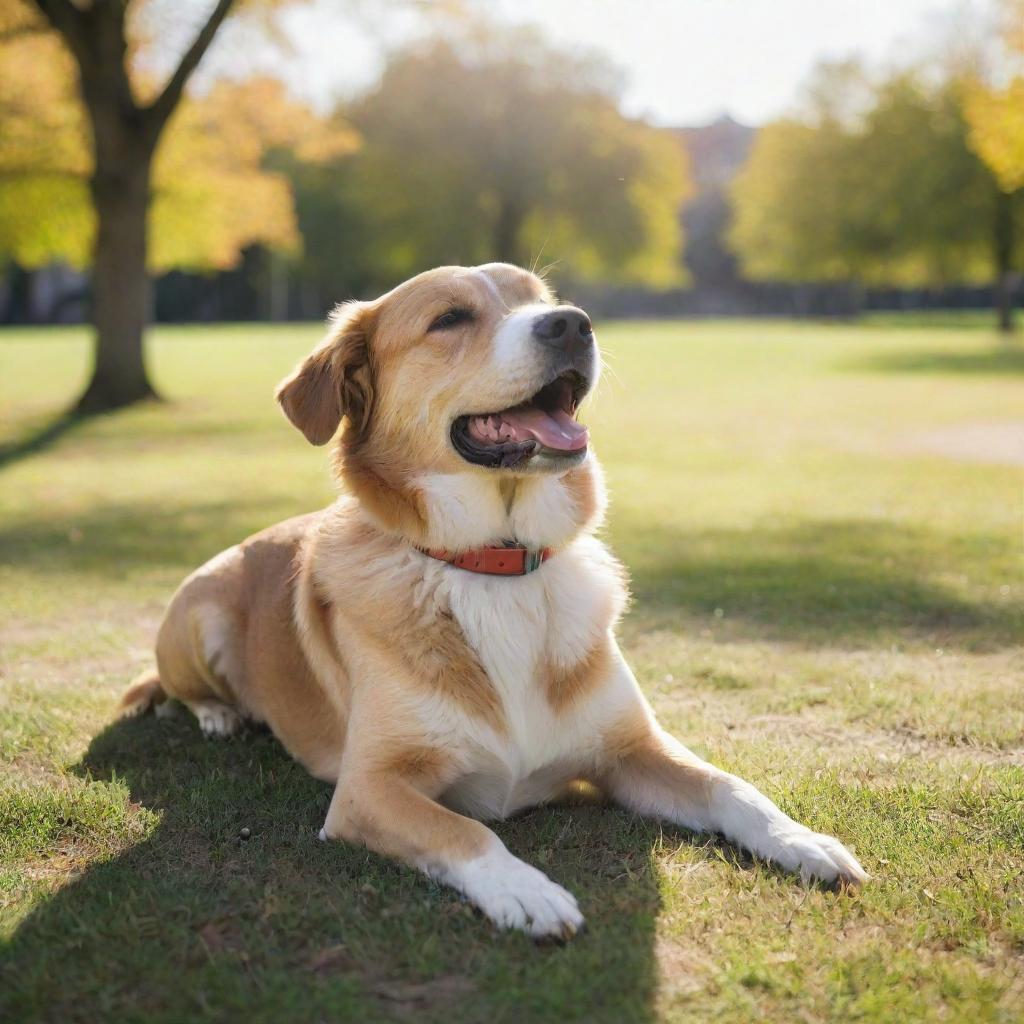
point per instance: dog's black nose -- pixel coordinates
(566, 328)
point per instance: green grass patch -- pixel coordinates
(827, 602)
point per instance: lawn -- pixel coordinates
(823, 526)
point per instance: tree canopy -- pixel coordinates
(876, 184)
(509, 149)
(213, 192)
(995, 108)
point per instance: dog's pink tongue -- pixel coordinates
(553, 429)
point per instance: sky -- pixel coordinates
(685, 62)
(688, 61)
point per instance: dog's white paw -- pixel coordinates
(215, 718)
(515, 895)
(816, 856)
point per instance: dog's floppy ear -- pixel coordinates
(334, 380)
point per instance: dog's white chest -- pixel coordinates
(517, 628)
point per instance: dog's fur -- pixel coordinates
(429, 696)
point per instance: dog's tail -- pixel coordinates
(144, 692)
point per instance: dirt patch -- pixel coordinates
(34, 770)
(410, 998)
(682, 970)
(1000, 443)
(402, 997)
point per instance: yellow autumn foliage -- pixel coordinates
(213, 193)
(996, 118)
(996, 113)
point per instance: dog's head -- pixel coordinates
(457, 371)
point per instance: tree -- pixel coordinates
(995, 113)
(124, 134)
(216, 189)
(92, 145)
(218, 186)
(499, 147)
(790, 220)
(875, 184)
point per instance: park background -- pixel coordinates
(800, 229)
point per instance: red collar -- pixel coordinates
(512, 560)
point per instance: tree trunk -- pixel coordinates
(120, 284)
(1005, 278)
(124, 139)
(507, 229)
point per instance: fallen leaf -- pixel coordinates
(331, 960)
(423, 993)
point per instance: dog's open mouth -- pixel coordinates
(544, 423)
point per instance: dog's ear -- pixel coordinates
(334, 380)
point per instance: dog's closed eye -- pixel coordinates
(452, 318)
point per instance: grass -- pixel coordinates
(821, 606)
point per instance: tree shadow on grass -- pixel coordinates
(822, 582)
(179, 425)
(847, 582)
(108, 542)
(39, 439)
(36, 437)
(195, 921)
(1005, 360)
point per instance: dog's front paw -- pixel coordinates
(816, 856)
(515, 895)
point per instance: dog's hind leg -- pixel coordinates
(198, 655)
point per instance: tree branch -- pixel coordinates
(20, 31)
(163, 106)
(69, 21)
(32, 172)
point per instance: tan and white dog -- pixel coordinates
(439, 643)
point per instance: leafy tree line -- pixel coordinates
(502, 156)
(94, 153)
(916, 179)
(476, 144)
(497, 147)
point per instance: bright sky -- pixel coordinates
(685, 61)
(688, 61)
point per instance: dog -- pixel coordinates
(439, 644)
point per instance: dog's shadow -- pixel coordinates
(228, 905)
